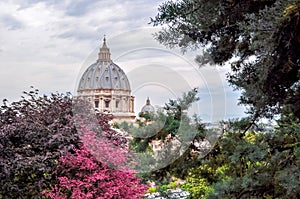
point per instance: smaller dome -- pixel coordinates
(148, 107)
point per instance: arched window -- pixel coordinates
(96, 103)
(107, 104)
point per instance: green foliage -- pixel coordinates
(168, 123)
(147, 115)
(152, 189)
(251, 165)
(197, 187)
(263, 36)
(140, 145)
(164, 127)
(123, 125)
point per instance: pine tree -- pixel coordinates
(263, 35)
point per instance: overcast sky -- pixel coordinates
(49, 44)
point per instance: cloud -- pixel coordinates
(79, 8)
(48, 44)
(39, 34)
(78, 34)
(10, 22)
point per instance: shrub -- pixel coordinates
(34, 133)
(41, 149)
(81, 175)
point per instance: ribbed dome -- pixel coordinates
(104, 74)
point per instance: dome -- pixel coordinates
(104, 74)
(105, 85)
(148, 107)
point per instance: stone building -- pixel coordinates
(106, 85)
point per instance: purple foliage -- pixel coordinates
(41, 149)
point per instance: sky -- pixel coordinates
(49, 44)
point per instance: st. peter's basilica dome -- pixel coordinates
(104, 74)
(106, 85)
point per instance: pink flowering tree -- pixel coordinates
(81, 175)
(98, 169)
